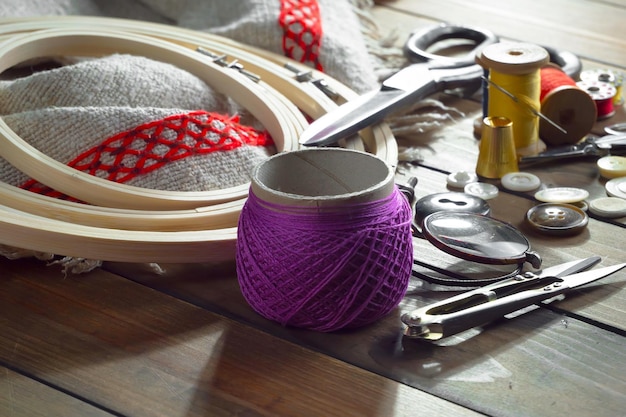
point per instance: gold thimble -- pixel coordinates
(497, 155)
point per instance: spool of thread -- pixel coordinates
(602, 94)
(515, 68)
(563, 102)
(324, 240)
(615, 78)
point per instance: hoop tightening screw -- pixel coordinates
(234, 64)
(307, 76)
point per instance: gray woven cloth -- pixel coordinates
(68, 110)
(344, 54)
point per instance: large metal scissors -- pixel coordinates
(431, 73)
(485, 304)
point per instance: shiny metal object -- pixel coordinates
(591, 146)
(560, 219)
(496, 156)
(407, 86)
(483, 305)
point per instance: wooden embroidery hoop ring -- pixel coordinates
(278, 118)
(378, 139)
(179, 245)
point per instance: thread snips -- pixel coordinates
(591, 146)
(485, 304)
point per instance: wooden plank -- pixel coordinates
(591, 29)
(135, 351)
(494, 372)
(601, 302)
(22, 396)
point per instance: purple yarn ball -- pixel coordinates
(325, 269)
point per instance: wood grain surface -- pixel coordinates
(131, 340)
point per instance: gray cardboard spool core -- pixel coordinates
(322, 177)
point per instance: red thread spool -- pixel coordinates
(602, 94)
(563, 102)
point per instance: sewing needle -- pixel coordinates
(529, 107)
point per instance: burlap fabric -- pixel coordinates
(71, 110)
(66, 111)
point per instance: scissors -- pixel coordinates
(430, 73)
(485, 304)
(590, 146)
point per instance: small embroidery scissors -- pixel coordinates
(590, 146)
(485, 304)
(432, 73)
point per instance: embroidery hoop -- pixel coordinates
(377, 139)
(101, 234)
(282, 119)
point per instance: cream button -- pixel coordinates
(608, 207)
(612, 166)
(520, 181)
(616, 187)
(562, 195)
(483, 190)
(461, 179)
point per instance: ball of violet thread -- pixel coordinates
(325, 269)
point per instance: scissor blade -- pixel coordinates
(569, 268)
(350, 117)
(406, 86)
(582, 278)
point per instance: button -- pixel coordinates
(612, 166)
(616, 129)
(561, 195)
(616, 187)
(482, 190)
(581, 205)
(557, 219)
(452, 201)
(611, 207)
(520, 181)
(461, 179)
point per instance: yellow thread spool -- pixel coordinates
(515, 68)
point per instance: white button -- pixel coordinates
(461, 179)
(616, 187)
(608, 207)
(483, 190)
(520, 181)
(612, 166)
(561, 195)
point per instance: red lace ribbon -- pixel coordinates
(302, 30)
(153, 145)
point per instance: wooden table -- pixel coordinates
(125, 341)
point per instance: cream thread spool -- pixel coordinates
(515, 68)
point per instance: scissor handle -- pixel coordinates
(420, 40)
